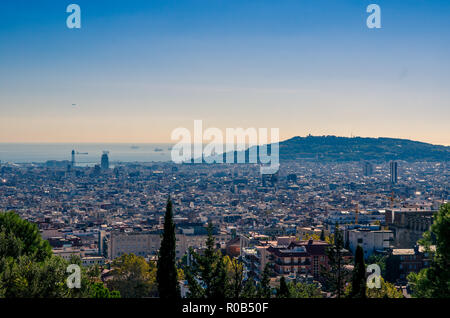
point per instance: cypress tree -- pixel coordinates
(359, 275)
(167, 275)
(322, 235)
(283, 291)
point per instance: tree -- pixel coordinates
(207, 274)
(208, 262)
(391, 268)
(322, 235)
(359, 275)
(29, 270)
(133, 277)
(387, 290)
(283, 290)
(302, 290)
(27, 266)
(167, 276)
(20, 237)
(98, 290)
(220, 284)
(235, 274)
(196, 290)
(434, 282)
(421, 286)
(26, 278)
(380, 260)
(264, 289)
(335, 274)
(309, 236)
(249, 290)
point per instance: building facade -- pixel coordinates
(371, 241)
(148, 243)
(301, 258)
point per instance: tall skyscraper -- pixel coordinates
(73, 158)
(393, 171)
(101, 240)
(105, 161)
(367, 169)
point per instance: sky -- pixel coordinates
(136, 70)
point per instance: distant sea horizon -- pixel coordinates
(86, 154)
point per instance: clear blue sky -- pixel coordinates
(136, 70)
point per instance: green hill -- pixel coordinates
(332, 148)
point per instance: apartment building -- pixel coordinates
(301, 257)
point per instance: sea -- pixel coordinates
(86, 154)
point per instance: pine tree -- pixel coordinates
(219, 281)
(359, 275)
(335, 274)
(167, 275)
(207, 275)
(264, 290)
(208, 262)
(249, 290)
(191, 272)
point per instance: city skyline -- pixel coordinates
(135, 71)
(205, 142)
(225, 156)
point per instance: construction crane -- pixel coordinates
(356, 211)
(392, 199)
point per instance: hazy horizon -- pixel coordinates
(204, 142)
(137, 70)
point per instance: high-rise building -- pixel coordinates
(73, 158)
(101, 241)
(393, 171)
(105, 161)
(368, 169)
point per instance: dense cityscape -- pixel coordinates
(283, 220)
(224, 157)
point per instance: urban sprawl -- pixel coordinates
(103, 212)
